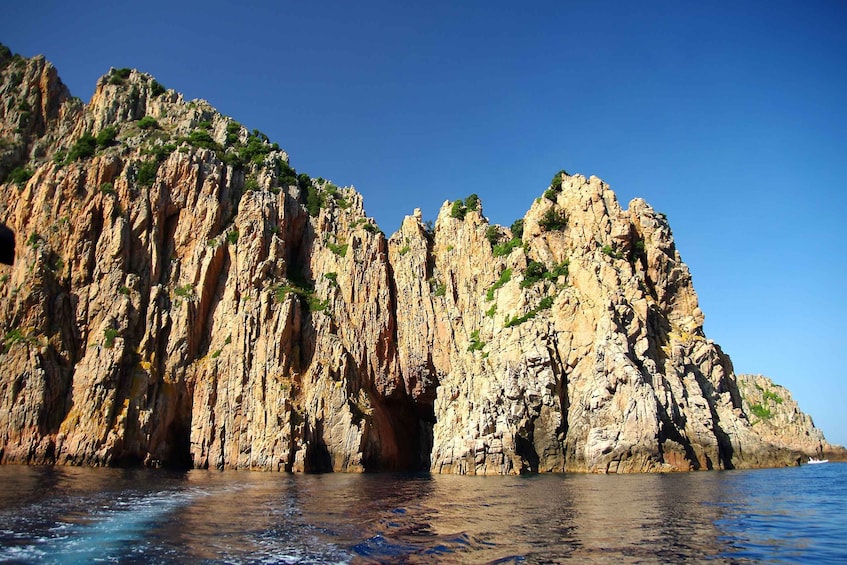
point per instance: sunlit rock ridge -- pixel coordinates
(182, 297)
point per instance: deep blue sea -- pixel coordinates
(74, 515)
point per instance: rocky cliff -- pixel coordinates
(181, 296)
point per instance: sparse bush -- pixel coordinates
(20, 176)
(553, 220)
(550, 194)
(505, 277)
(506, 248)
(472, 203)
(770, 395)
(315, 304)
(332, 278)
(232, 236)
(476, 344)
(148, 122)
(83, 148)
(13, 336)
(370, 227)
(610, 251)
(232, 131)
(533, 273)
(147, 173)
(256, 148)
(558, 179)
(251, 183)
(118, 76)
(161, 152)
(185, 291)
(312, 302)
(205, 124)
(109, 335)
(437, 287)
(638, 249)
(544, 304)
(107, 188)
(457, 210)
(339, 249)
(156, 89)
(202, 138)
(760, 412)
(492, 234)
(517, 229)
(106, 136)
(560, 270)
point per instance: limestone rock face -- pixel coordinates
(778, 420)
(181, 296)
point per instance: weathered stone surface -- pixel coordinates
(180, 297)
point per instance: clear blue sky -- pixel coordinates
(730, 117)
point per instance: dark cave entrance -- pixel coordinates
(401, 437)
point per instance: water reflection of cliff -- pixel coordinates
(56, 514)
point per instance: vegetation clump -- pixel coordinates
(118, 76)
(504, 248)
(544, 304)
(536, 271)
(109, 335)
(311, 301)
(476, 344)
(639, 251)
(533, 273)
(505, 277)
(156, 89)
(760, 412)
(185, 291)
(558, 179)
(20, 176)
(107, 136)
(232, 131)
(147, 172)
(13, 336)
(251, 183)
(611, 252)
(457, 210)
(492, 234)
(83, 148)
(148, 122)
(370, 227)
(161, 152)
(770, 395)
(553, 220)
(202, 138)
(332, 278)
(339, 249)
(437, 287)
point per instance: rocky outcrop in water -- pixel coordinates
(181, 296)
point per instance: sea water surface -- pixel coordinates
(74, 515)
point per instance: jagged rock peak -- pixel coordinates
(182, 296)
